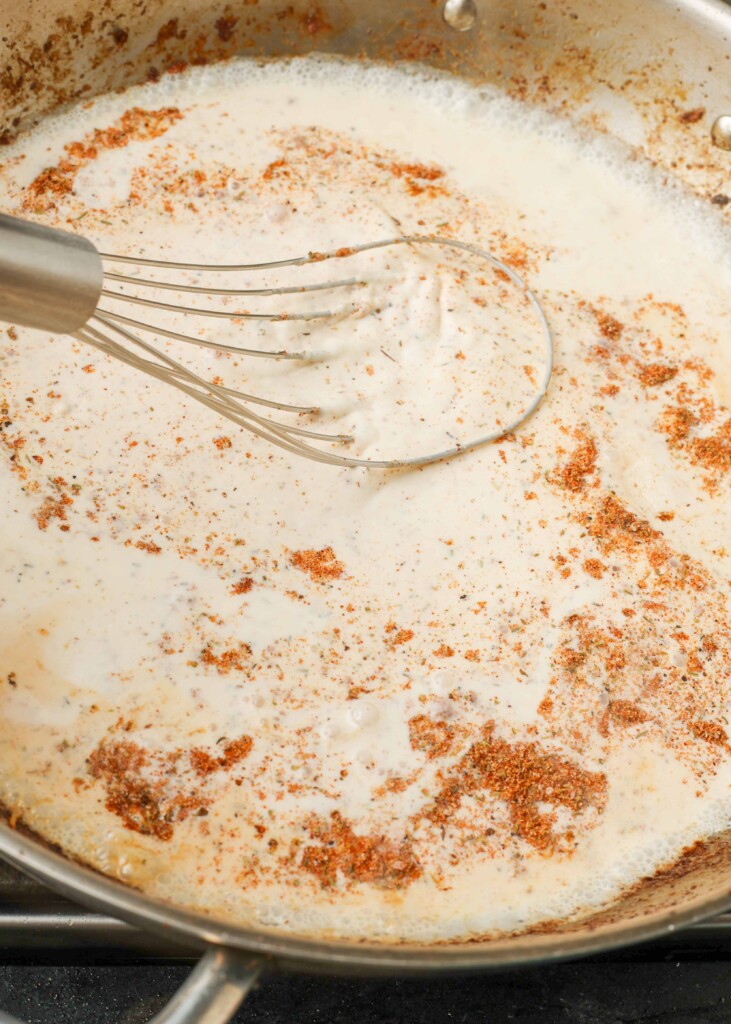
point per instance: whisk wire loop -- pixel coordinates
(223, 314)
(201, 342)
(350, 282)
(113, 332)
(210, 394)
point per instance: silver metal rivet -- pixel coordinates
(460, 14)
(721, 132)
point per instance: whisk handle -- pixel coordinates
(49, 279)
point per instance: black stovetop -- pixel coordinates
(63, 965)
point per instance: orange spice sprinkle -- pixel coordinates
(622, 713)
(655, 374)
(396, 784)
(609, 326)
(141, 788)
(524, 776)
(205, 764)
(373, 859)
(616, 527)
(134, 125)
(421, 171)
(710, 732)
(149, 546)
(230, 660)
(581, 464)
(52, 508)
(273, 168)
(713, 453)
(677, 423)
(692, 116)
(321, 565)
(431, 737)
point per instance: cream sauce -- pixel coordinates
(343, 701)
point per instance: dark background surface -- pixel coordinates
(654, 987)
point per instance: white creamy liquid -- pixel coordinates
(426, 704)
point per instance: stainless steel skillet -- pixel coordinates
(657, 74)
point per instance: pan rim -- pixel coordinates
(102, 893)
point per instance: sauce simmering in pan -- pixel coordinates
(426, 704)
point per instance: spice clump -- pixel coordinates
(432, 738)
(581, 464)
(527, 779)
(371, 859)
(151, 790)
(321, 565)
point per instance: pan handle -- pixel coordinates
(211, 994)
(213, 991)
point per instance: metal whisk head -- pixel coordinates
(60, 282)
(119, 335)
(122, 336)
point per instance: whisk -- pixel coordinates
(59, 282)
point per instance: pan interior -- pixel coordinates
(568, 487)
